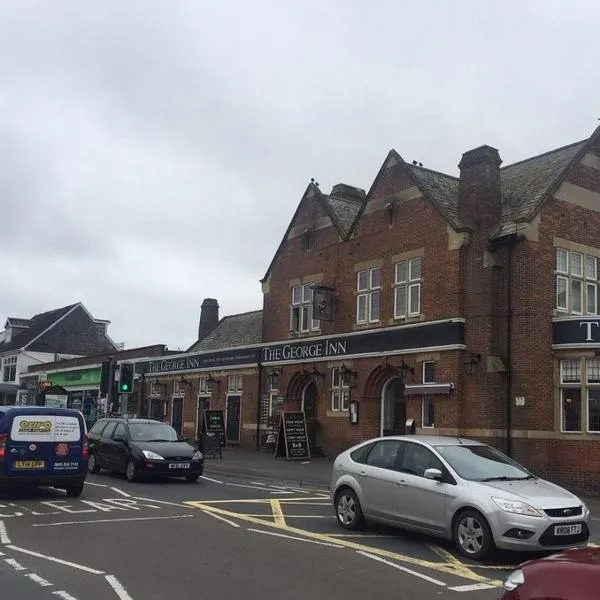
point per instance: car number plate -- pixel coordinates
(567, 529)
(29, 464)
(179, 466)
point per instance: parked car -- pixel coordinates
(42, 445)
(570, 575)
(456, 489)
(142, 448)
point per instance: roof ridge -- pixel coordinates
(248, 312)
(524, 160)
(417, 167)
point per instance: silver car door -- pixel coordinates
(377, 478)
(418, 501)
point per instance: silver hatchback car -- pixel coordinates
(457, 489)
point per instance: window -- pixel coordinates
(109, 429)
(428, 417)
(429, 371)
(301, 311)
(407, 285)
(340, 391)
(580, 394)
(416, 459)
(155, 388)
(203, 387)
(98, 427)
(360, 454)
(178, 388)
(9, 370)
(576, 282)
(384, 454)
(234, 383)
(368, 285)
(273, 398)
(120, 430)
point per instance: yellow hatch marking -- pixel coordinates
(278, 517)
(451, 560)
(442, 567)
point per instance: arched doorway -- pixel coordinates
(309, 407)
(393, 407)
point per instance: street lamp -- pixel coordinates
(472, 363)
(211, 383)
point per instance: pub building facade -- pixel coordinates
(448, 305)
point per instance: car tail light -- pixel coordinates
(84, 447)
(3, 440)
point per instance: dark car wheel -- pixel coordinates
(131, 470)
(93, 466)
(472, 535)
(347, 509)
(74, 491)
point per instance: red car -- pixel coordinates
(569, 575)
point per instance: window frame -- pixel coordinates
(424, 370)
(430, 400)
(575, 269)
(302, 306)
(367, 294)
(582, 386)
(339, 389)
(235, 383)
(404, 286)
(9, 369)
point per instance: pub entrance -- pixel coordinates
(309, 402)
(393, 407)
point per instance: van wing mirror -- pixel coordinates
(433, 474)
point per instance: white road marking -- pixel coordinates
(159, 502)
(95, 484)
(62, 506)
(118, 491)
(66, 563)
(111, 520)
(43, 582)
(243, 485)
(14, 564)
(281, 492)
(209, 479)
(298, 539)
(208, 512)
(64, 595)
(257, 483)
(311, 517)
(472, 587)
(116, 585)
(401, 568)
(4, 539)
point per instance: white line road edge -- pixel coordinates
(297, 539)
(124, 520)
(208, 512)
(64, 595)
(118, 491)
(59, 561)
(4, 539)
(401, 568)
(39, 580)
(473, 587)
(209, 479)
(115, 584)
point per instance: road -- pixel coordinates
(226, 537)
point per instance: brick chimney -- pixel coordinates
(479, 189)
(209, 316)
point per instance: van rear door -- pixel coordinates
(44, 444)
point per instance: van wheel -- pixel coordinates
(74, 491)
(93, 466)
(131, 471)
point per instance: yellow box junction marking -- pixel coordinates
(278, 517)
(449, 569)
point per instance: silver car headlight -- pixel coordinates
(515, 507)
(152, 455)
(514, 580)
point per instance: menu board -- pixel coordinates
(292, 440)
(214, 421)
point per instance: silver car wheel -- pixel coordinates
(346, 509)
(471, 535)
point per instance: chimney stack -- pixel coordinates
(479, 188)
(209, 316)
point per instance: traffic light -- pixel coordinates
(126, 378)
(105, 377)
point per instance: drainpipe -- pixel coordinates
(259, 403)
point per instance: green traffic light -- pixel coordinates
(124, 387)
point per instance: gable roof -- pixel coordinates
(244, 329)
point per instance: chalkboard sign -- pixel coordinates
(215, 423)
(211, 445)
(292, 440)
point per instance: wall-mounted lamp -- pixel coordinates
(211, 383)
(353, 412)
(472, 363)
(183, 381)
(404, 369)
(348, 376)
(314, 374)
(274, 378)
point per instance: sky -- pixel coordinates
(152, 153)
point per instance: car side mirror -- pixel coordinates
(433, 474)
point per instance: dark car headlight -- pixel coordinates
(514, 580)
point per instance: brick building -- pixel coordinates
(219, 371)
(464, 305)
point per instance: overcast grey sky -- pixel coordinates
(152, 153)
